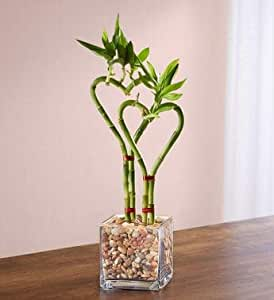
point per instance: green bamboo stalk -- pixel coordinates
(122, 123)
(167, 107)
(162, 108)
(139, 132)
(131, 186)
(133, 145)
(151, 216)
(128, 166)
(114, 130)
(137, 135)
(131, 164)
(145, 202)
(131, 179)
(132, 84)
(136, 138)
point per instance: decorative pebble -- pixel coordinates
(137, 260)
(131, 250)
(135, 234)
(122, 250)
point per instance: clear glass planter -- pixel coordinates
(134, 256)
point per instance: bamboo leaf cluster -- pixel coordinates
(137, 68)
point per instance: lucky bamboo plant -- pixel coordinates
(136, 70)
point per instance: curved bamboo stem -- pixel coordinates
(148, 196)
(137, 154)
(167, 107)
(162, 108)
(114, 130)
(132, 192)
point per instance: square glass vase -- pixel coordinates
(135, 256)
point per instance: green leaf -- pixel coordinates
(152, 70)
(145, 80)
(105, 38)
(122, 39)
(170, 76)
(122, 52)
(110, 47)
(97, 50)
(143, 54)
(130, 56)
(173, 96)
(171, 87)
(116, 35)
(117, 24)
(168, 73)
(139, 63)
(115, 40)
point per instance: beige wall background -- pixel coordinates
(60, 172)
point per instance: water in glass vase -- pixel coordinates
(134, 256)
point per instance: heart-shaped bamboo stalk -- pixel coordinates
(133, 145)
(148, 194)
(128, 166)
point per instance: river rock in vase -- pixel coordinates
(134, 256)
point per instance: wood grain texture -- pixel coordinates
(227, 261)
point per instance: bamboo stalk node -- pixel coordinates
(128, 157)
(146, 210)
(149, 178)
(130, 210)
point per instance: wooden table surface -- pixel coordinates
(226, 261)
